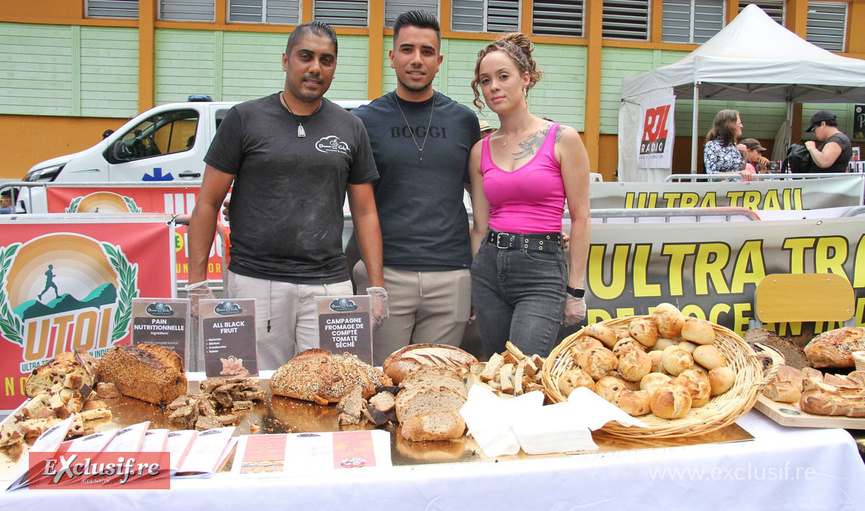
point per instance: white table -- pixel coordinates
(782, 468)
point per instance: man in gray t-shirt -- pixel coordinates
(421, 140)
(290, 158)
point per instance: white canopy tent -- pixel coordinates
(751, 59)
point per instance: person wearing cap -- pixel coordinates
(834, 153)
(755, 162)
(486, 129)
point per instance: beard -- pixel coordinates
(413, 87)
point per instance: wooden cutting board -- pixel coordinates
(787, 414)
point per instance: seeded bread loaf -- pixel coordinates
(147, 372)
(322, 377)
(835, 348)
(414, 356)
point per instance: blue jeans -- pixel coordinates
(518, 295)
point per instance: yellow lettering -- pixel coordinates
(735, 197)
(741, 317)
(710, 200)
(716, 311)
(672, 198)
(690, 200)
(751, 200)
(623, 312)
(9, 386)
(750, 267)
(860, 311)
(641, 266)
(797, 247)
(618, 270)
(830, 255)
(797, 198)
(709, 265)
(597, 315)
(677, 253)
(859, 264)
(693, 310)
(772, 201)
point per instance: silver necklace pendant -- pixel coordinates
(420, 155)
(301, 133)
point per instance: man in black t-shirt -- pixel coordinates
(289, 159)
(834, 153)
(421, 140)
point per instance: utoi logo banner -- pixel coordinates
(72, 289)
(657, 134)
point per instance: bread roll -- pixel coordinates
(655, 357)
(664, 343)
(676, 359)
(835, 347)
(625, 344)
(147, 372)
(697, 384)
(698, 331)
(574, 378)
(634, 364)
(583, 343)
(709, 356)
(598, 362)
(670, 401)
(652, 381)
(644, 331)
(608, 386)
(634, 403)
(721, 379)
(669, 320)
(602, 333)
(412, 357)
(689, 347)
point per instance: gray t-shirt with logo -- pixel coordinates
(288, 193)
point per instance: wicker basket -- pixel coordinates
(719, 412)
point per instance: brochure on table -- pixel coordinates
(228, 335)
(345, 325)
(162, 321)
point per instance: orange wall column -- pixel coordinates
(592, 120)
(146, 54)
(375, 62)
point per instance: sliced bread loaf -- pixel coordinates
(420, 401)
(436, 425)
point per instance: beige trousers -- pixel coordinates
(428, 306)
(285, 318)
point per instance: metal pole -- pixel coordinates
(694, 127)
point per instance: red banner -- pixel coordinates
(173, 200)
(72, 288)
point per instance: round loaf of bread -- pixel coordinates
(435, 377)
(626, 344)
(634, 403)
(598, 362)
(634, 364)
(709, 356)
(414, 356)
(644, 330)
(602, 333)
(322, 377)
(432, 426)
(669, 320)
(652, 381)
(698, 330)
(697, 384)
(608, 386)
(721, 379)
(676, 359)
(655, 357)
(670, 401)
(574, 378)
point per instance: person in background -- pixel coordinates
(835, 149)
(6, 202)
(522, 286)
(756, 163)
(421, 141)
(290, 159)
(722, 153)
(486, 129)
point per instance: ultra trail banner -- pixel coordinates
(71, 287)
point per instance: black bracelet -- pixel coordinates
(576, 292)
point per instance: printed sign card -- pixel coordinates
(164, 322)
(345, 325)
(228, 335)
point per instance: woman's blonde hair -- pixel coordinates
(516, 46)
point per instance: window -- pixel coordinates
(344, 13)
(111, 9)
(626, 19)
(187, 10)
(164, 133)
(557, 17)
(691, 21)
(774, 8)
(485, 15)
(393, 8)
(827, 25)
(277, 12)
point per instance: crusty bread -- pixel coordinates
(432, 426)
(420, 401)
(77, 364)
(435, 377)
(322, 377)
(414, 356)
(835, 348)
(644, 330)
(671, 401)
(147, 372)
(669, 319)
(793, 354)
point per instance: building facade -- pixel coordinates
(70, 69)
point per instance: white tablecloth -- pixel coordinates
(782, 468)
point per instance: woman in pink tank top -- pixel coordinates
(522, 286)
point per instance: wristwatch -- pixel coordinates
(576, 292)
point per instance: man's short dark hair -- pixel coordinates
(419, 19)
(318, 28)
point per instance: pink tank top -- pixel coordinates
(529, 200)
